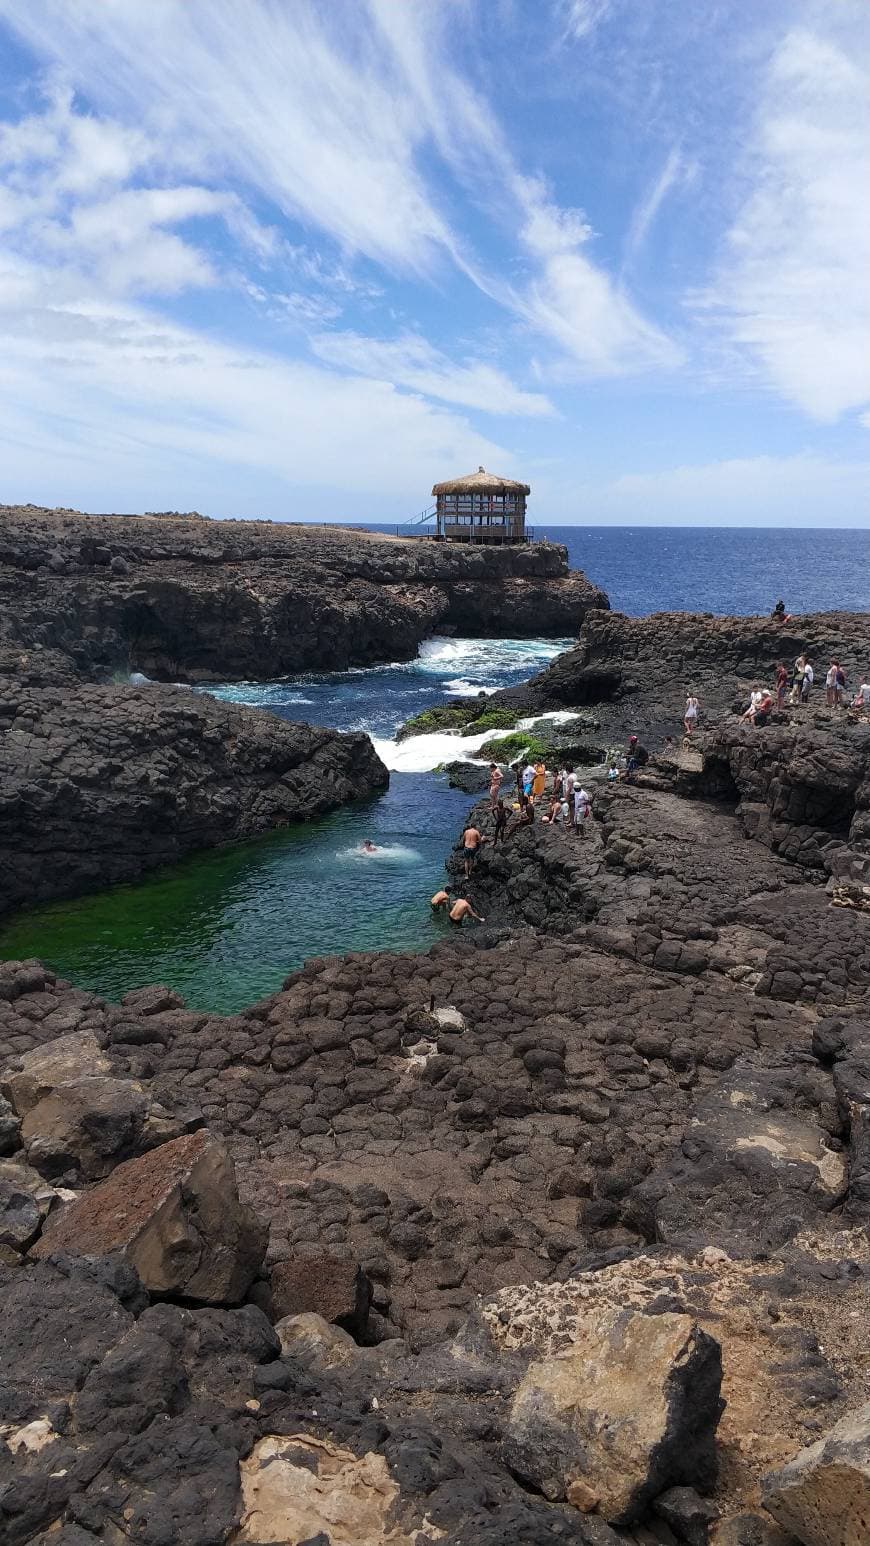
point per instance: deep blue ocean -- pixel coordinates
(719, 569)
(225, 927)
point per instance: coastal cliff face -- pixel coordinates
(638, 670)
(99, 784)
(194, 600)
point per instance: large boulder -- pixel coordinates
(823, 1495)
(176, 1216)
(628, 1408)
(44, 1069)
(85, 1126)
(333, 1287)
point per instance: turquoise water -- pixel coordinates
(224, 928)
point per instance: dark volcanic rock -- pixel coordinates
(191, 600)
(98, 784)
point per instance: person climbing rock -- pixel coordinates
(463, 909)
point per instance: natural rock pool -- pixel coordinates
(225, 927)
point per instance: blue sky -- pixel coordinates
(302, 259)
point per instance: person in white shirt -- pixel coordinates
(581, 810)
(528, 779)
(831, 685)
(690, 718)
(861, 699)
(807, 682)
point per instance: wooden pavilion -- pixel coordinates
(481, 508)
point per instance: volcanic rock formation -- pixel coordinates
(193, 600)
(98, 784)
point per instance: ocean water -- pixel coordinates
(224, 928)
(719, 569)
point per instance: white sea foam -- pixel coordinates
(383, 853)
(464, 689)
(422, 753)
(139, 679)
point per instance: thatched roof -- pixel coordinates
(481, 482)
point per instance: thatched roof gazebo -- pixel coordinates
(481, 507)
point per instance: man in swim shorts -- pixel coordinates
(471, 842)
(461, 910)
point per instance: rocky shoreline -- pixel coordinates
(555, 1233)
(186, 599)
(99, 784)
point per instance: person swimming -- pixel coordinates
(368, 847)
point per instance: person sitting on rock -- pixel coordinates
(861, 699)
(500, 817)
(525, 818)
(472, 841)
(760, 708)
(755, 698)
(461, 910)
(638, 757)
(440, 900)
(778, 613)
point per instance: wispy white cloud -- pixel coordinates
(330, 113)
(412, 362)
(793, 288)
(580, 17)
(675, 170)
(108, 395)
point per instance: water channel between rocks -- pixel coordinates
(225, 927)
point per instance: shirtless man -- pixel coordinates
(461, 910)
(439, 900)
(472, 840)
(368, 847)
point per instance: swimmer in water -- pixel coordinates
(439, 900)
(369, 847)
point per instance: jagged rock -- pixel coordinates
(176, 1217)
(62, 1061)
(688, 1515)
(10, 1128)
(472, 777)
(102, 783)
(203, 601)
(303, 1489)
(330, 1286)
(84, 1127)
(315, 1341)
(823, 1495)
(628, 1409)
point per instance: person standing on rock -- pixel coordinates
(831, 685)
(528, 779)
(495, 778)
(781, 685)
(690, 718)
(582, 807)
(472, 840)
(539, 781)
(500, 817)
(807, 682)
(461, 910)
(797, 678)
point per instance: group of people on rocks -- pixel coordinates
(794, 687)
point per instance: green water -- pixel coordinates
(224, 928)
